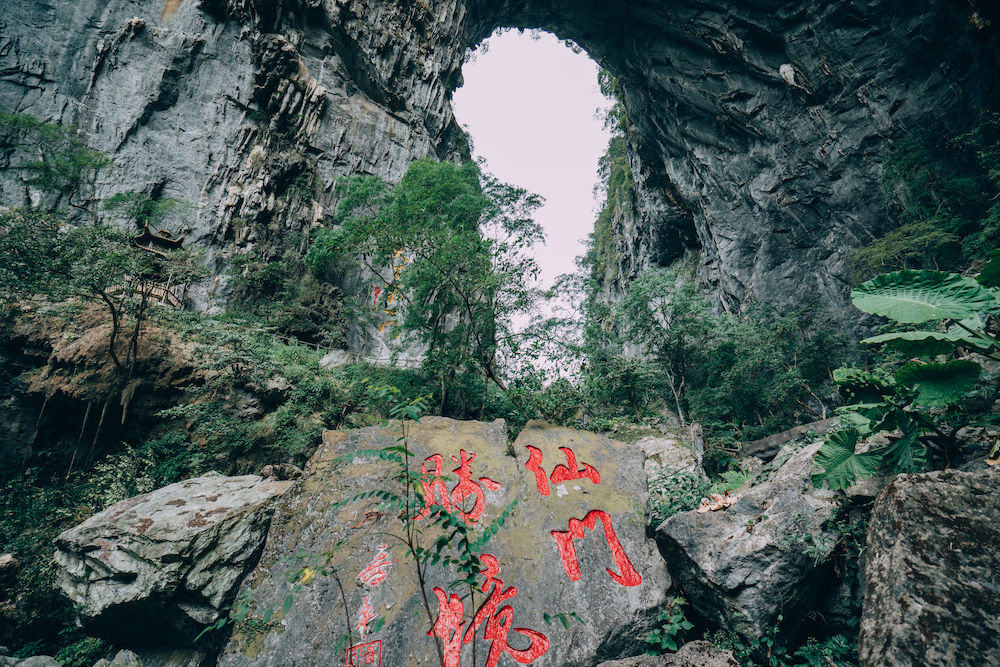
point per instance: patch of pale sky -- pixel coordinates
(530, 104)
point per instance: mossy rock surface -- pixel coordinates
(608, 593)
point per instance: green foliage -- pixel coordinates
(673, 625)
(939, 385)
(280, 293)
(941, 194)
(463, 248)
(120, 476)
(841, 463)
(836, 650)
(57, 159)
(34, 508)
(602, 257)
(912, 297)
(749, 375)
(139, 208)
(238, 362)
(674, 491)
(920, 385)
(83, 652)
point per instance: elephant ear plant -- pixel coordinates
(954, 312)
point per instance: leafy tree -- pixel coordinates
(666, 313)
(92, 261)
(43, 253)
(466, 272)
(56, 159)
(139, 207)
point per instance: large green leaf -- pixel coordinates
(841, 465)
(860, 386)
(939, 385)
(919, 343)
(920, 296)
(978, 337)
(906, 454)
(930, 343)
(990, 274)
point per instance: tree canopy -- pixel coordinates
(459, 242)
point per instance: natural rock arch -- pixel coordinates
(229, 103)
(773, 181)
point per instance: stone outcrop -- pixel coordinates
(123, 658)
(757, 130)
(33, 661)
(159, 567)
(742, 566)
(933, 572)
(692, 654)
(580, 581)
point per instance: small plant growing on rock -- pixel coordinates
(672, 628)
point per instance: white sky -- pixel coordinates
(530, 105)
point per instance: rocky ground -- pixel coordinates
(295, 560)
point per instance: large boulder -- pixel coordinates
(742, 566)
(571, 577)
(159, 567)
(933, 572)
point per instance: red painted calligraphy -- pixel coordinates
(436, 492)
(534, 464)
(365, 616)
(561, 473)
(448, 626)
(466, 487)
(564, 473)
(365, 655)
(376, 572)
(628, 575)
(498, 619)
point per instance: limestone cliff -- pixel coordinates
(757, 128)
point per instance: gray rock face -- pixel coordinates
(742, 566)
(123, 658)
(159, 567)
(692, 654)
(569, 546)
(932, 572)
(251, 109)
(38, 661)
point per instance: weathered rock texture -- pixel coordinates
(616, 596)
(933, 572)
(692, 654)
(742, 566)
(159, 567)
(251, 109)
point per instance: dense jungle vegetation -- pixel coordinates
(110, 393)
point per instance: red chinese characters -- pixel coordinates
(365, 655)
(377, 570)
(498, 621)
(436, 491)
(561, 473)
(365, 616)
(627, 574)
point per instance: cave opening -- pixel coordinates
(533, 110)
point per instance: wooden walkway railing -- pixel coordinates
(163, 293)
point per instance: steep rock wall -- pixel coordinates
(251, 109)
